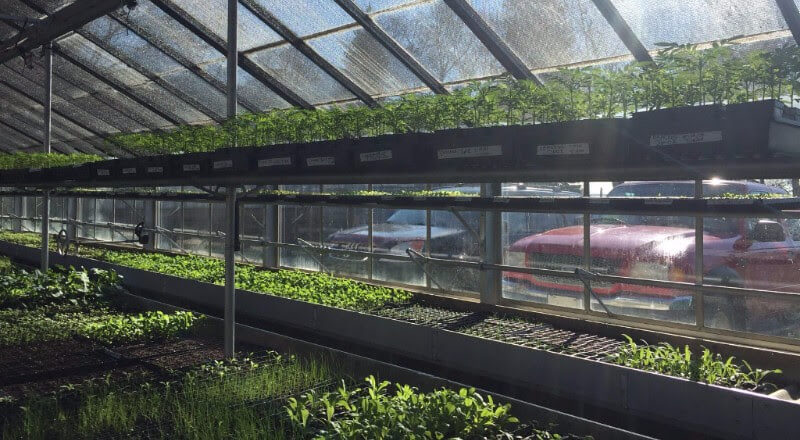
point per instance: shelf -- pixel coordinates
(750, 140)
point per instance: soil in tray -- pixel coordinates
(46, 367)
(516, 331)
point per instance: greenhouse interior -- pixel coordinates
(400, 219)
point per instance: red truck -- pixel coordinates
(739, 252)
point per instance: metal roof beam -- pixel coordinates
(792, 16)
(218, 44)
(496, 46)
(17, 131)
(179, 58)
(33, 137)
(120, 87)
(392, 46)
(69, 18)
(299, 44)
(55, 112)
(624, 32)
(116, 85)
(198, 105)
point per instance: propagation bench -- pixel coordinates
(640, 147)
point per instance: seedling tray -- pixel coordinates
(387, 153)
(591, 143)
(73, 173)
(325, 157)
(470, 149)
(23, 176)
(276, 159)
(747, 131)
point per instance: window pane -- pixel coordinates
(214, 15)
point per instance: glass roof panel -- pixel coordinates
(33, 132)
(214, 15)
(547, 33)
(171, 34)
(371, 6)
(11, 139)
(88, 54)
(16, 7)
(191, 85)
(441, 42)
(365, 61)
(300, 74)
(249, 88)
(132, 109)
(64, 89)
(85, 118)
(107, 113)
(6, 31)
(306, 17)
(692, 21)
(131, 46)
(165, 101)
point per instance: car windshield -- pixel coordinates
(441, 219)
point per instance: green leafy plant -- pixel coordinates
(148, 326)
(681, 75)
(379, 411)
(44, 160)
(706, 367)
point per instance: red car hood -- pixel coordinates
(610, 240)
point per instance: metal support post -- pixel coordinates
(587, 248)
(233, 20)
(699, 303)
(150, 223)
(491, 280)
(271, 234)
(230, 271)
(16, 223)
(45, 231)
(48, 94)
(72, 217)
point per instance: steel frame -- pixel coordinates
(299, 44)
(71, 17)
(791, 14)
(624, 32)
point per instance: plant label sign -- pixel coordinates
(155, 170)
(103, 172)
(563, 149)
(223, 164)
(376, 156)
(275, 162)
(470, 152)
(191, 167)
(664, 140)
(324, 161)
(129, 170)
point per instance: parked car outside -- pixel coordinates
(754, 253)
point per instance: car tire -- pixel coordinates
(729, 312)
